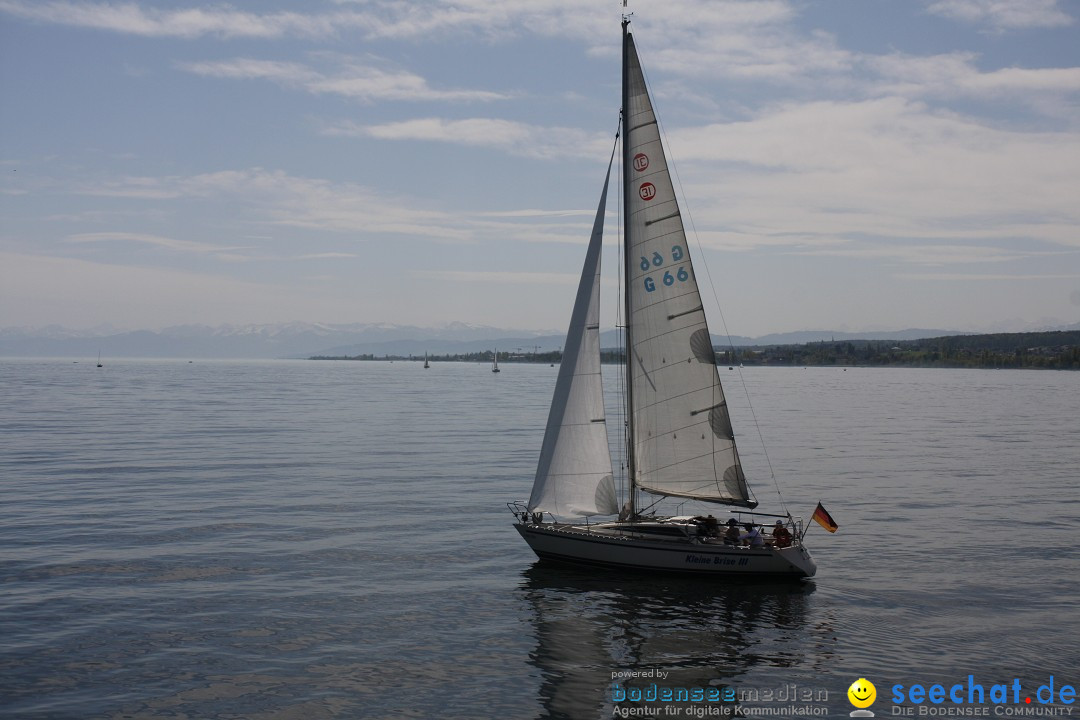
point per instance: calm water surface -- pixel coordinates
(298, 539)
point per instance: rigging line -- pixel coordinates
(656, 502)
(622, 444)
(712, 286)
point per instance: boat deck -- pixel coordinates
(674, 530)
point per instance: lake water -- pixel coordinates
(297, 539)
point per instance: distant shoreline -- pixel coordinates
(1057, 350)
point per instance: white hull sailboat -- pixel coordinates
(680, 443)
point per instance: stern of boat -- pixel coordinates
(799, 558)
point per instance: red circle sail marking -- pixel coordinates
(641, 161)
(647, 191)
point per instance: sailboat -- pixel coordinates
(99, 359)
(427, 365)
(495, 361)
(680, 442)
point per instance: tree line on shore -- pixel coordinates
(1058, 350)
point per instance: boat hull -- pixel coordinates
(569, 544)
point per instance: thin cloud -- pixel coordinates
(154, 240)
(1003, 14)
(954, 74)
(515, 138)
(750, 39)
(884, 168)
(140, 296)
(327, 256)
(536, 213)
(559, 18)
(146, 188)
(984, 277)
(285, 73)
(918, 254)
(499, 277)
(537, 232)
(753, 40)
(288, 200)
(392, 20)
(354, 80)
(187, 23)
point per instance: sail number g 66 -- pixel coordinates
(657, 260)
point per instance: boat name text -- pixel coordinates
(715, 560)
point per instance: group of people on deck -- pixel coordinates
(749, 534)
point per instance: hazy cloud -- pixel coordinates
(823, 172)
(516, 138)
(922, 254)
(501, 277)
(963, 277)
(327, 256)
(956, 74)
(745, 38)
(1003, 14)
(154, 240)
(292, 201)
(388, 19)
(223, 21)
(353, 80)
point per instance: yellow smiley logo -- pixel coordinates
(862, 693)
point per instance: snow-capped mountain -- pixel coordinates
(295, 339)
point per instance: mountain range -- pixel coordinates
(281, 340)
(301, 340)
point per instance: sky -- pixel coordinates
(843, 164)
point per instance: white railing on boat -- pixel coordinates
(695, 528)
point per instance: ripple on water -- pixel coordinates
(330, 540)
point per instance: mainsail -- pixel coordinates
(574, 477)
(682, 440)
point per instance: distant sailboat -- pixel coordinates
(99, 359)
(495, 361)
(426, 363)
(680, 442)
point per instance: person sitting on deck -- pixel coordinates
(731, 537)
(752, 536)
(781, 535)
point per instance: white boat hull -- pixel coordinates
(568, 543)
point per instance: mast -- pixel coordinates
(631, 465)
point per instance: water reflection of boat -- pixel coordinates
(588, 627)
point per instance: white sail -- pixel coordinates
(574, 477)
(683, 442)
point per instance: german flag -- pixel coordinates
(824, 519)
